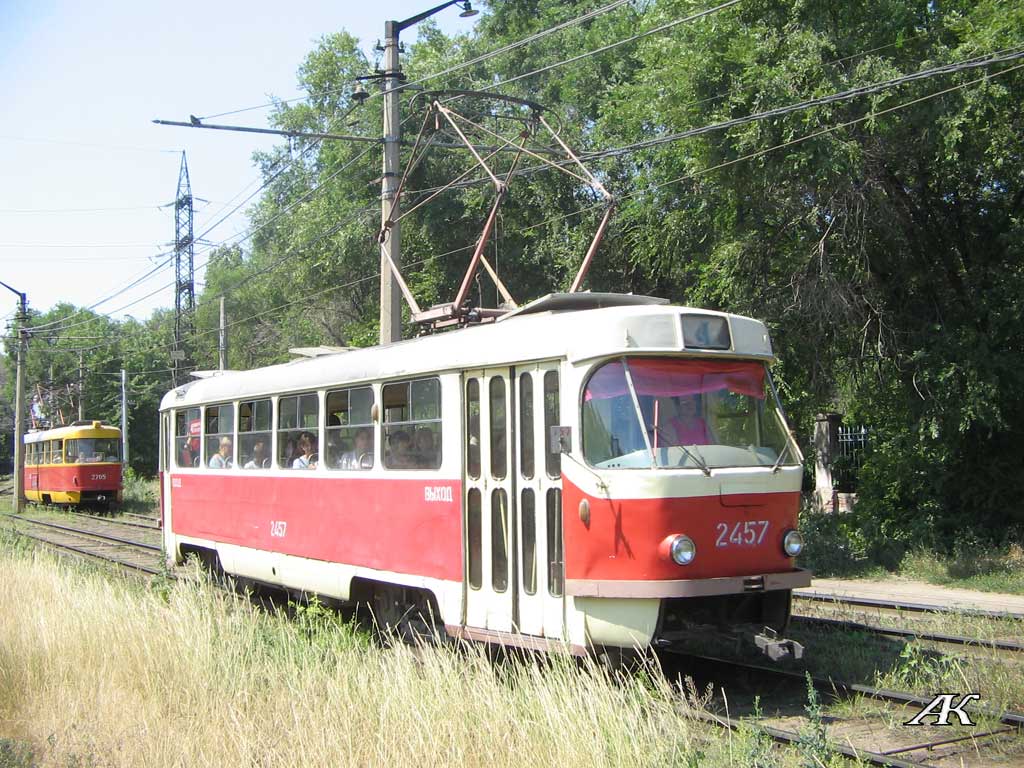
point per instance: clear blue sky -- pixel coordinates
(84, 169)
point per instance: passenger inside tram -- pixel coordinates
(307, 458)
(424, 453)
(400, 451)
(361, 455)
(260, 458)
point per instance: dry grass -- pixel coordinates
(98, 671)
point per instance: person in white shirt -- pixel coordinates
(307, 447)
(222, 458)
(361, 455)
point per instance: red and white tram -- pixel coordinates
(591, 470)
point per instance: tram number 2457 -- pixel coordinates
(278, 528)
(746, 534)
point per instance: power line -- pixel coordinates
(449, 70)
(572, 59)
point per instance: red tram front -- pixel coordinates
(591, 470)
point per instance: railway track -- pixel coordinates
(92, 543)
(1006, 646)
(897, 756)
(899, 605)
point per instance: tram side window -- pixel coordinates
(218, 433)
(298, 431)
(412, 424)
(46, 452)
(186, 437)
(350, 429)
(57, 451)
(552, 459)
(254, 434)
(30, 454)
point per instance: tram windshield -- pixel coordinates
(671, 413)
(90, 450)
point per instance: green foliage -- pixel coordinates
(879, 238)
(814, 743)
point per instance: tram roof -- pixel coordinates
(80, 429)
(576, 327)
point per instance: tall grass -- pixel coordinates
(101, 671)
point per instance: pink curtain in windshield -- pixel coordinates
(671, 378)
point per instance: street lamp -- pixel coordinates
(391, 240)
(19, 401)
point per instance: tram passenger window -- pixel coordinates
(526, 425)
(473, 531)
(218, 436)
(473, 428)
(298, 431)
(58, 451)
(254, 434)
(555, 568)
(412, 424)
(46, 452)
(552, 459)
(499, 443)
(350, 429)
(528, 514)
(186, 437)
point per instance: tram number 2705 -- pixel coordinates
(746, 534)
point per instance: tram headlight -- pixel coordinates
(793, 543)
(683, 550)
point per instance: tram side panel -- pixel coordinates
(316, 530)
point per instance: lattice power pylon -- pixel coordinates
(184, 276)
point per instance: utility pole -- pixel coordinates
(19, 401)
(124, 418)
(184, 275)
(223, 345)
(391, 244)
(81, 386)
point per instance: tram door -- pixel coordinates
(539, 487)
(511, 497)
(489, 497)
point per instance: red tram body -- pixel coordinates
(76, 464)
(590, 471)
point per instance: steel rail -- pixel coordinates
(69, 529)
(151, 518)
(830, 684)
(115, 521)
(872, 602)
(94, 555)
(788, 737)
(937, 637)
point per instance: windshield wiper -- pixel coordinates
(697, 460)
(782, 455)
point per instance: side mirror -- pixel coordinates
(559, 439)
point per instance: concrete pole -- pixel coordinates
(19, 407)
(223, 345)
(390, 297)
(81, 386)
(124, 418)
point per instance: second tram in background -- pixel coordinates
(76, 464)
(591, 472)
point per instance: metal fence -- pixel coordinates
(854, 444)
